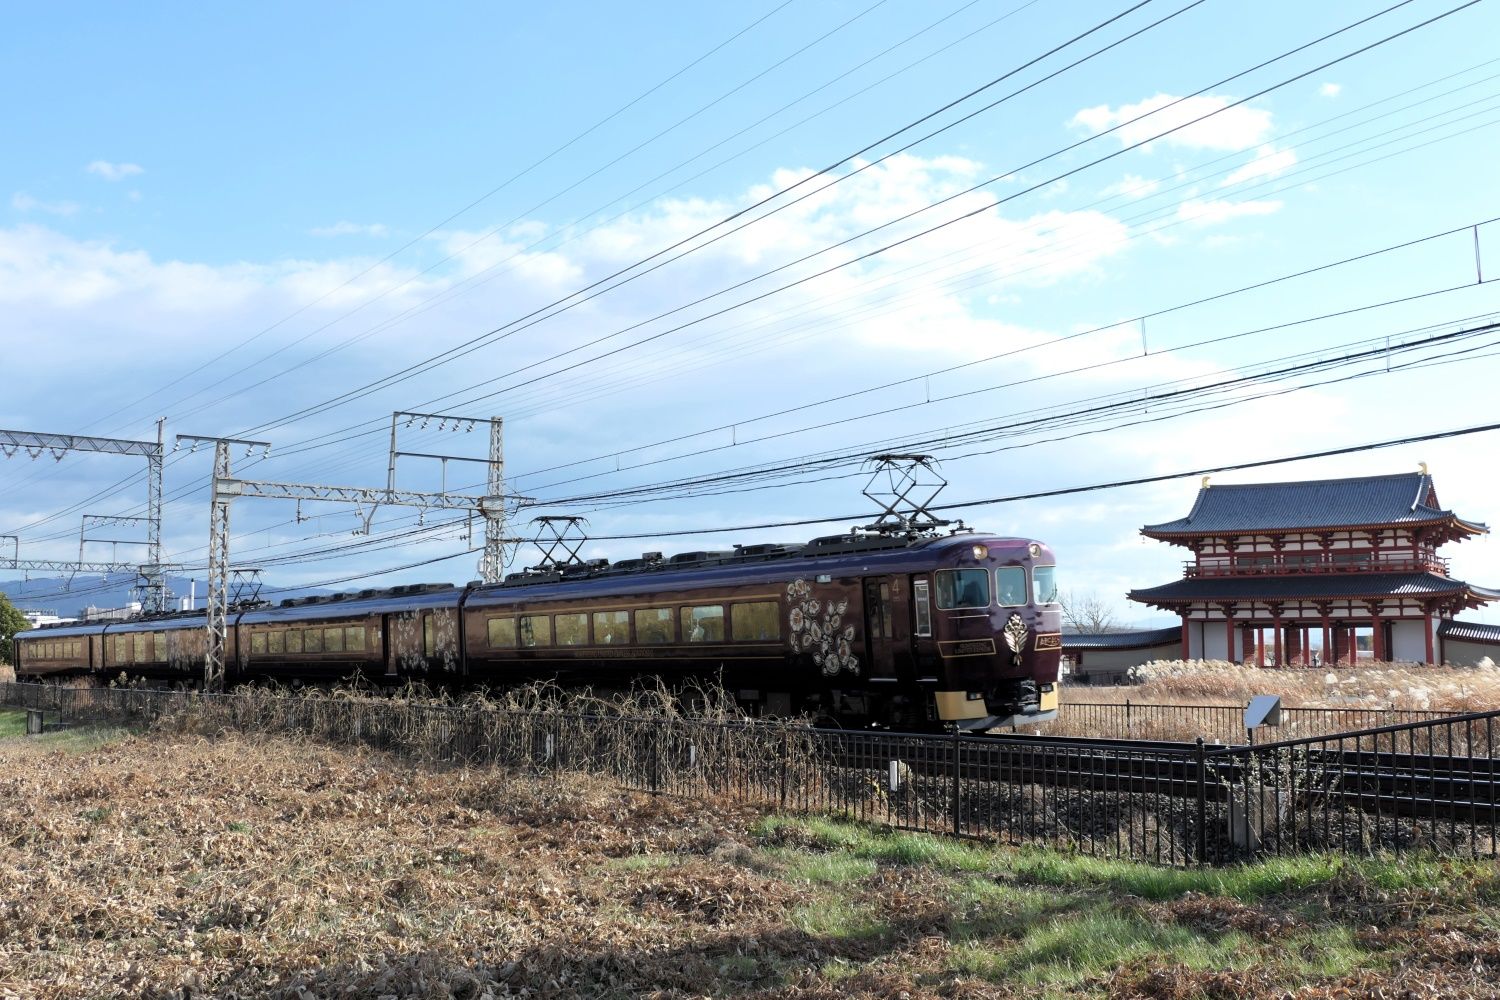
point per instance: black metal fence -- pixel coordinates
(1223, 724)
(1428, 785)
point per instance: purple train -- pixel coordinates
(960, 631)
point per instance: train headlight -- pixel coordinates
(1034, 549)
(981, 551)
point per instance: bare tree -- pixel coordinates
(1086, 611)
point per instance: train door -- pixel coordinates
(404, 655)
(880, 627)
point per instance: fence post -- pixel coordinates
(786, 756)
(1128, 730)
(957, 799)
(655, 752)
(1202, 804)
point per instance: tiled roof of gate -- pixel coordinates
(1310, 586)
(1245, 508)
(1132, 639)
(1472, 631)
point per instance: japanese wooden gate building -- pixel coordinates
(1350, 562)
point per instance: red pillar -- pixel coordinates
(1427, 634)
(1260, 647)
(1377, 640)
(1184, 637)
(1229, 640)
(1328, 641)
(1280, 649)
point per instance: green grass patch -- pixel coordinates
(1065, 949)
(12, 722)
(879, 844)
(1257, 880)
(829, 868)
(828, 916)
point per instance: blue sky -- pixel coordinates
(280, 183)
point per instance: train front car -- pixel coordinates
(997, 631)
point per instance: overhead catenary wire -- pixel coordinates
(563, 303)
(476, 202)
(939, 226)
(345, 435)
(573, 229)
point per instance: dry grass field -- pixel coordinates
(180, 865)
(1374, 685)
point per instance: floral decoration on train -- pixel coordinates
(817, 627)
(1015, 637)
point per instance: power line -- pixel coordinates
(465, 209)
(453, 353)
(909, 238)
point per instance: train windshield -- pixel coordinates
(962, 588)
(1010, 584)
(1044, 584)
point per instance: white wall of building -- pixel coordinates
(1463, 653)
(1409, 641)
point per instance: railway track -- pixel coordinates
(1382, 783)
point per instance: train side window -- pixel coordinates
(354, 638)
(501, 632)
(572, 630)
(962, 588)
(751, 622)
(78, 647)
(312, 640)
(1010, 585)
(536, 630)
(141, 656)
(653, 626)
(922, 592)
(704, 623)
(294, 640)
(276, 641)
(429, 639)
(611, 628)
(1044, 584)
(257, 644)
(333, 640)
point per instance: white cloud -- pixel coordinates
(1229, 128)
(1132, 187)
(346, 228)
(1330, 89)
(114, 171)
(1208, 213)
(23, 202)
(1269, 162)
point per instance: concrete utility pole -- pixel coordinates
(365, 500)
(152, 571)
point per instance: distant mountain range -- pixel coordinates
(59, 596)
